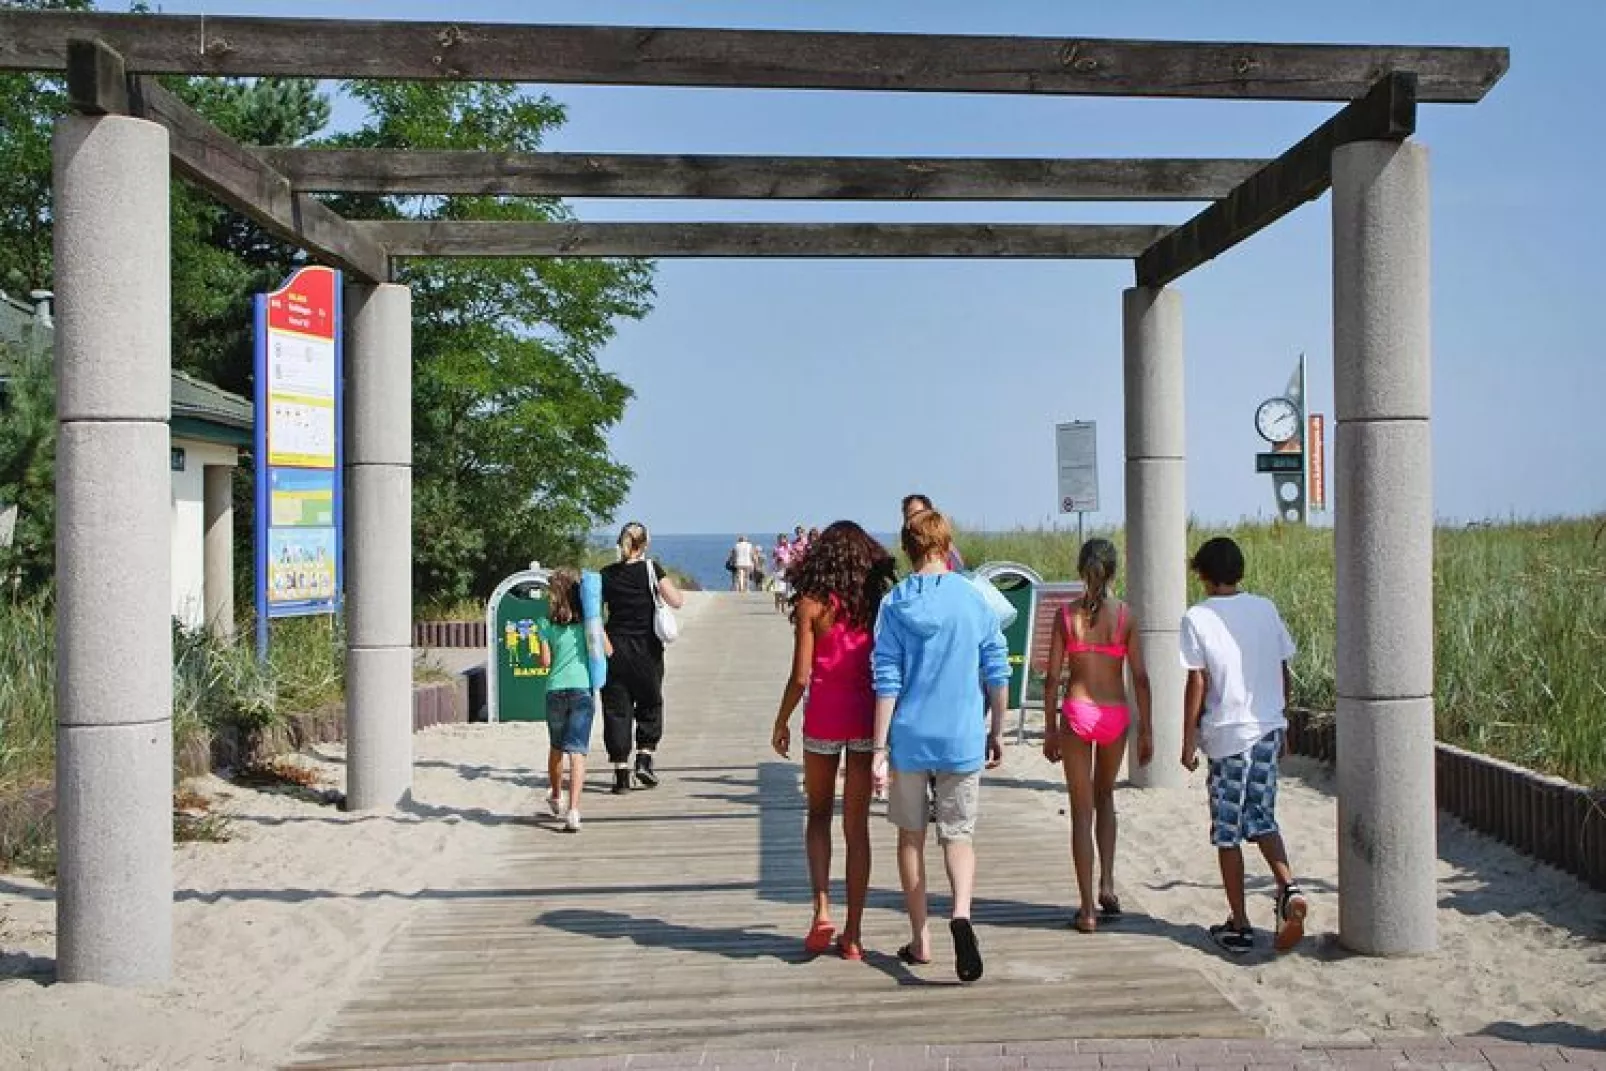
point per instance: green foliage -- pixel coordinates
(511, 410)
(27, 692)
(28, 468)
(1520, 627)
(28, 109)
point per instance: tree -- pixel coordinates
(28, 468)
(511, 410)
(28, 109)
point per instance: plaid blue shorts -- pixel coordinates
(1243, 793)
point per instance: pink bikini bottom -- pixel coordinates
(1095, 723)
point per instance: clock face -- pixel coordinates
(1277, 420)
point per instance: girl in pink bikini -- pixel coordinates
(1093, 644)
(836, 593)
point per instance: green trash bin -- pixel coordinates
(1015, 583)
(513, 618)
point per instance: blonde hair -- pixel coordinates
(927, 535)
(632, 541)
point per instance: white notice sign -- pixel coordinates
(1078, 450)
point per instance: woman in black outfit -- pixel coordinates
(635, 689)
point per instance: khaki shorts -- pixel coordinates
(957, 796)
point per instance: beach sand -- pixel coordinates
(274, 927)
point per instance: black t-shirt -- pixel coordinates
(627, 595)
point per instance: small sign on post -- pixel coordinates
(1316, 452)
(298, 449)
(1077, 447)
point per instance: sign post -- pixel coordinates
(299, 500)
(1077, 447)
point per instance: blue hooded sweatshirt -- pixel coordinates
(937, 649)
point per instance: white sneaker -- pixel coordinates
(554, 804)
(572, 822)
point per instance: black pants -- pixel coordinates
(634, 694)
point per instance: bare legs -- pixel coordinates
(1090, 775)
(959, 859)
(554, 775)
(577, 779)
(819, 785)
(1232, 873)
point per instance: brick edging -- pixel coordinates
(1548, 818)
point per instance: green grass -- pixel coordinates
(1521, 627)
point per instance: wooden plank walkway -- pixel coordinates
(673, 922)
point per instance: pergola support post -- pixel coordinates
(217, 572)
(114, 637)
(1382, 365)
(1156, 513)
(379, 534)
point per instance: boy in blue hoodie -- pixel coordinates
(941, 664)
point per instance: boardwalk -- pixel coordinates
(673, 923)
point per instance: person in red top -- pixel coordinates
(836, 593)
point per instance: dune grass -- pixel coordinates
(1521, 626)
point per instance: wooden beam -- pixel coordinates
(629, 55)
(835, 178)
(97, 83)
(1301, 174)
(234, 175)
(499, 239)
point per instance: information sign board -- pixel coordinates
(1077, 449)
(1316, 445)
(298, 449)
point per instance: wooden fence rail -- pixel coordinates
(1548, 818)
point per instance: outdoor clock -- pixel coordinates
(1277, 420)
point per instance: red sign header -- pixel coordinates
(305, 304)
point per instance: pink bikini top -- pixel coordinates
(1076, 646)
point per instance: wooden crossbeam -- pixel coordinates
(843, 178)
(1303, 173)
(234, 175)
(628, 55)
(518, 239)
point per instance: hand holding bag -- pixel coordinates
(663, 618)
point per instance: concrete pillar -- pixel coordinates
(218, 550)
(379, 546)
(1383, 490)
(114, 645)
(1156, 513)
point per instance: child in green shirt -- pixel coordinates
(569, 704)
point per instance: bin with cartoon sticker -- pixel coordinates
(513, 619)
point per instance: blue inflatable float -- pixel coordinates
(596, 645)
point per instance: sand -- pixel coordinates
(274, 927)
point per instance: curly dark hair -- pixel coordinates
(846, 562)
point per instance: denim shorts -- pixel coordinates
(568, 720)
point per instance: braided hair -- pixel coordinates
(1096, 565)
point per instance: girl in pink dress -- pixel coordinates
(836, 594)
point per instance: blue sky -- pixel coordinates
(772, 392)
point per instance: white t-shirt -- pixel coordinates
(743, 552)
(1241, 643)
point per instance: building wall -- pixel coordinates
(189, 526)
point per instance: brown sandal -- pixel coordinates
(1085, 922)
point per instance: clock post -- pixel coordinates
(1280, 420)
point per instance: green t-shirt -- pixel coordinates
(569, 666)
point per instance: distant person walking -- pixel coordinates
(741, 563)
(780, 562)
(570, 706)
(1092, 645)
(941, 665)
(916, 504)
(1236, 648)
(838, 592)
(633, 698)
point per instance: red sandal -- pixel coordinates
(849, 950)
(819, 938)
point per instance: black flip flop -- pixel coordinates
(967, 953)
(906, 955)
(1110, 906)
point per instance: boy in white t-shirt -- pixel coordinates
(1236, 648)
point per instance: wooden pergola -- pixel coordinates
(113, 160)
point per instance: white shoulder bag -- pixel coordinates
(663, 618)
